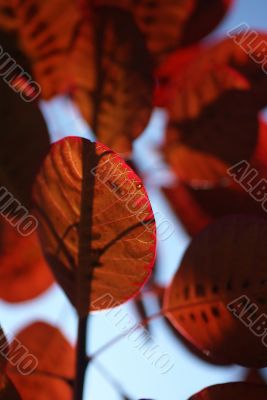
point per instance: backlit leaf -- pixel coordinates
(117, 97)
(99, 58)
(55, 357)
(206, 16)
(24, 273)
(97, 226)
(213, 125)
(168, 25)
(8, 20)
(47, 37)
(233, 391)
(7, 389)
(196, 207)
(224, 262)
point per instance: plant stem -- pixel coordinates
(81, 359)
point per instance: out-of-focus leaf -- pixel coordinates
(196, 207)
(213, 125)
(8, 19)
(206, 16)
(24, 143)
(233, 391)
(117, 97)
(24, 273)
(97, 226)
(188, 211)
(243, 52)
(47, 37)
(224, 262)
(168, 72)
(99, 58)
(168, 25)
(55, 357)
(8, 390)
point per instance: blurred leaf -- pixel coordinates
(242, 53)
(168, 25)
(98, 57)
(7, 389)
(8, 19)
(54, 355)
(206, 16)
(47, 37)
(224, 262)
(95, 216)
(213, 125)
(24, 143)
(196, 207)
(117, 97)
(235, 391)
(24, 273)
(192, 217)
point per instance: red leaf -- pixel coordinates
(92, 223)
(225, 261)
(24, 273)
(232, 391)
(56, 358)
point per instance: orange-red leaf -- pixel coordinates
(96, 223)
(225, 261)
(213, 124)
(168, 25)
(56, 358)
(116, 96)
(24, 273)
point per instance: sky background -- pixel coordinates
(125, 364)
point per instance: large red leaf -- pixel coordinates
(225, 261)
(24, 273)
(88, 232)
(116, 98)
(233, 391)
(56, 358)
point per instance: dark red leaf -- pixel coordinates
(224, 262)
(232, 391)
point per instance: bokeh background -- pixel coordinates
(123, 363)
